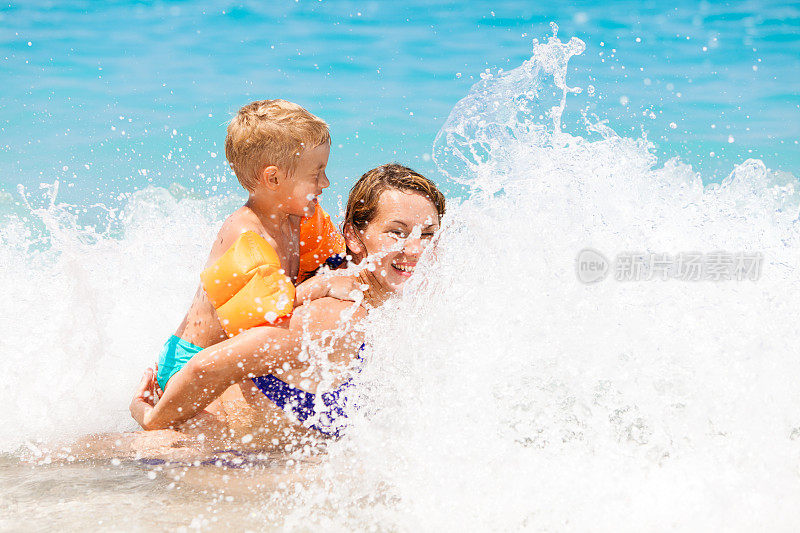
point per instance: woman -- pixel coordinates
(392, 213)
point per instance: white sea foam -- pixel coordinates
(85, 310)
(502, 394)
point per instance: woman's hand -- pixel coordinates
(145, 398)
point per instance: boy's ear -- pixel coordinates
(270, 176)
(352, 240)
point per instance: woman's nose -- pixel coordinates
(413, 246)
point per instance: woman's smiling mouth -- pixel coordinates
(405, 268)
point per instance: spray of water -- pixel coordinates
(84, 309)
(501, 393)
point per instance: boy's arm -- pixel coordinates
(327, 285)
(314, 288)
(231, 229)
(255, 352)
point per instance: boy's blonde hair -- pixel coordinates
(271, 132)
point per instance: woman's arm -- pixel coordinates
(258, 351)
(255, 352)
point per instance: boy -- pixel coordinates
(279, 152)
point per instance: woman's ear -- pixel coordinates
(351, 239)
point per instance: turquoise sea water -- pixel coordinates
(111, 97)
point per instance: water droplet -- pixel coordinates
(581, 17)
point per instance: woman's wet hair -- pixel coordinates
(362, 205)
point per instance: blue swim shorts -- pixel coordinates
(174, 355)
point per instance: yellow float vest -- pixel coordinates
(319, 240)
(246, 285)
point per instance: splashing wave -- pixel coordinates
(503, 394)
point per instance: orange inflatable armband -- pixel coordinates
(246, 286)
(319, 240)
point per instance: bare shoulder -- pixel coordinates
(326, 313)
(238, 222)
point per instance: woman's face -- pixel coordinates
(399, 213)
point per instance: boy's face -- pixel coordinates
(307, 181)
